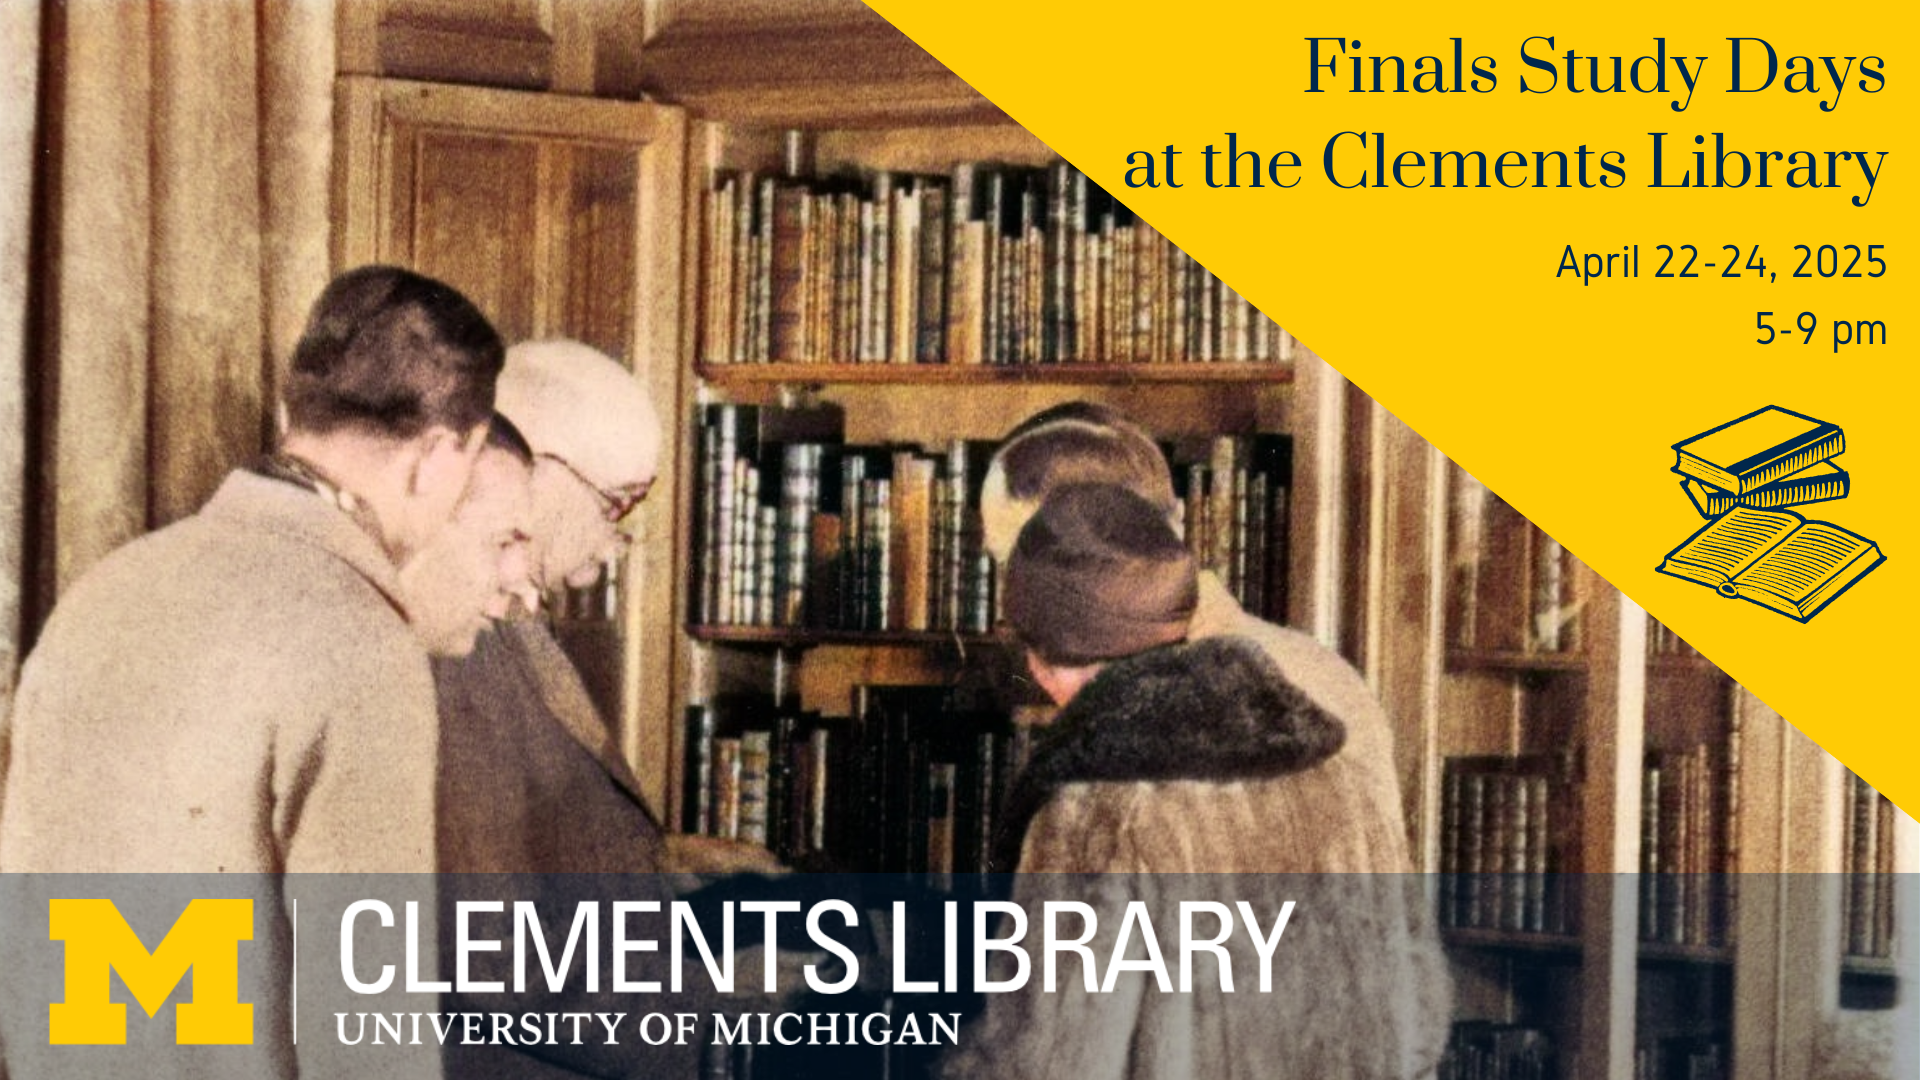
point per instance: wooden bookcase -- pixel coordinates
(503, 193)
(1768, 973)
(932, 404)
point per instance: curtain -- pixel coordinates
(19, 85)
(181, 228)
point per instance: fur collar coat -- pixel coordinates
(1200, 772)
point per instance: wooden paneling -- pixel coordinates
(471, 217)
(598, 217)
(824, 63)
(570, 46)
(560, 217)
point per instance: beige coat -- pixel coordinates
(1361, 990)
(237, 694)
(1364, 771)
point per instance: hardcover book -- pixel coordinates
(1819, 482)
(1774, 558)
(1758, 448)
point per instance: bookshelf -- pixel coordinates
(728, 376)
(1518, 770)
(826, 664)
(1689, 853)
(1720, 949)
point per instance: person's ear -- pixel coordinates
(443, 461)
(1062, 683)
(1059, 688)
(1002, 517)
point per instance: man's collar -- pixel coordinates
(267, 497)
(1216, 611)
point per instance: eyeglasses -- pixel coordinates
(614, 505)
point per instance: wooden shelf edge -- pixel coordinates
(1869, 967)
(822, 63)
(977, 374)
(1679, 664)
(1667, 952)
(1555, 945)
(792, 637)
(1459, 659)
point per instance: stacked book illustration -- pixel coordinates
(1742, 476)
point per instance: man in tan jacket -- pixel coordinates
(239, 694)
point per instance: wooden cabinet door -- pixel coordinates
(560, 217)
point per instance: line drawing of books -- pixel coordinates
(1759, 448)
(1819, 482)
(1774, 558)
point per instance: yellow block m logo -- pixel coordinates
(206, 938)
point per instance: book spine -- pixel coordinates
(904, 326)
(876, 571)
(850, 612)
(1547, 568)
(930, 344)
(1477, 828)
(1864, 859)
(911, 556)
(766, 556)
(1513, 905)
(1787, 493)
(696, 808)
(942, 783)
(756, 752)
(820, 779)
(1816, 445)
(726, 787)
(1650, 838)
(1538, 834)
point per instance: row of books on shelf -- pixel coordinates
(1867, 910)
(1235, 495)
(910, 784)
(1514, 588)
(1506, 824)
(1682, 1057)
(987, 264)
(798, 529)
(1689, 846)
(1485, 1050)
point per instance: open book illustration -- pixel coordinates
(1775, 558)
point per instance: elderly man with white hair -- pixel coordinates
(531, 779)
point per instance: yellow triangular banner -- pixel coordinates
(1372, 239)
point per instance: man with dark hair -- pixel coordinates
(240, 693)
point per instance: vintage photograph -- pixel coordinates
(701, 462)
